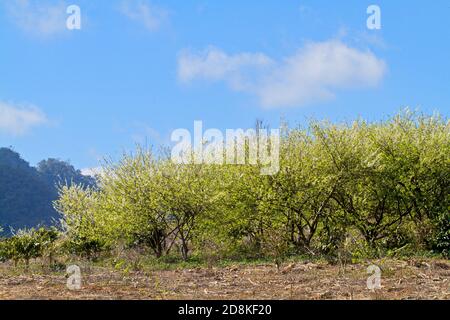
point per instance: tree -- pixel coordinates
(128, 201)
(81, 221)
(186, 194)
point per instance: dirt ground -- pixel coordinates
(413, 279)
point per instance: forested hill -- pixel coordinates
(27, 193)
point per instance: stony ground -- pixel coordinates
(412, 279)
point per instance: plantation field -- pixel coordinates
(401, 279)
(365, 193)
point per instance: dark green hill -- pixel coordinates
(27, 193)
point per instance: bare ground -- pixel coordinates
(413, 279)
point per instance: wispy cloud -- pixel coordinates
(314, 73)
(38, 18)
(214, 64)
(18, 120)
(95, 171)
(152, 17)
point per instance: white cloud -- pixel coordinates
(151, 16)
(312, 74)
(214, 64)
(40, 18)
(92, 171)
(18, 120)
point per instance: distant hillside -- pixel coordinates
(27, 193)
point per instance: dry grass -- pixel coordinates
(412, 279)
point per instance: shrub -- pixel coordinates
(27, 244)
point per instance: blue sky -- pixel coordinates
(139, 69)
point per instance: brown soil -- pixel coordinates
(414, 279)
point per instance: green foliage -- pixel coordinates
(6, 252)
(343, 190)
(81, 223)
(441, 237)
(28, 244)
